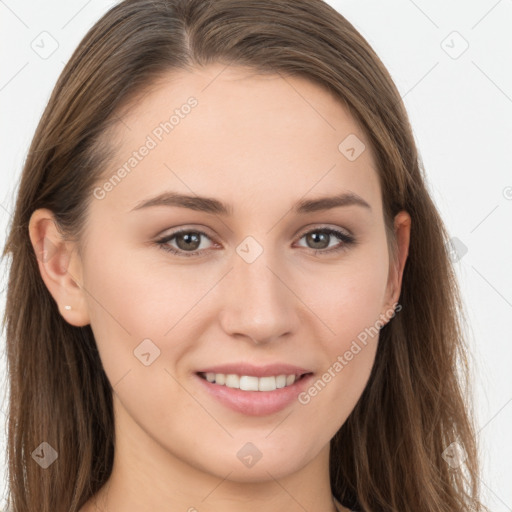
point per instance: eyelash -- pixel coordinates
(347, 240)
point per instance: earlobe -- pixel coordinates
(59, 266)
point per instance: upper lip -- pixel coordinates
(256, 371)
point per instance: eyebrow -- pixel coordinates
(214, 206)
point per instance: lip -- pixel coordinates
(256, 371)
(255, 403)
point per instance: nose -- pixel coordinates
(259, 304)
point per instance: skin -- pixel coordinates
(259, 143)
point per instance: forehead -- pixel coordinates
(228, 131)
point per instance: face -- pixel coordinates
(262, 279)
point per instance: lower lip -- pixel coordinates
(256, 403)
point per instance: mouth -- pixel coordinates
(253, 395)
(252, 382)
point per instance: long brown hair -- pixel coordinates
(389, 454)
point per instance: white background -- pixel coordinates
(461, 112)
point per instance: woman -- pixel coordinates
(294, 344)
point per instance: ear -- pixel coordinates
(60, 267)
(402, 228)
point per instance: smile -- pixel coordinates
(250, 382)
(251, 395)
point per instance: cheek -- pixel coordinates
(138, 307)
(349, 301)
(349, 297)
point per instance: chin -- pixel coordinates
(260, 461)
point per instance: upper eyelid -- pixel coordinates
(301, 233)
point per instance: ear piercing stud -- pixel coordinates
(67, 307)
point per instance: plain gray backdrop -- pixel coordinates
(451, 62)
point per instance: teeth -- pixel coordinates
(267, 383)
(232, 381)
(280, 381)
(249, 382)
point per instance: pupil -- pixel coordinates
(317, 238)
(194, 238)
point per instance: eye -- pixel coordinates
(189, 241)
(186, 239)
(319, 236)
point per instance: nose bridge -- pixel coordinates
(258, 304)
